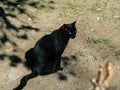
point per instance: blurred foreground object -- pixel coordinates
(104, 77)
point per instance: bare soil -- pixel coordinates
(97, 41)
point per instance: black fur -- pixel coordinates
(45, 57)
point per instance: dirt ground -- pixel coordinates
(97, 41)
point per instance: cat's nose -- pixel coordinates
(72, 36)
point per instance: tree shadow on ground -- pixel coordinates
(6, 21)
(28, 28)
(6, 27)
(19, 6)
(66, 62)
(15, 60)
(42, 4)
(11, 9)
(62, 77)
(9, 25)
(5, 39)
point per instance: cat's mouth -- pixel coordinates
(72, 36)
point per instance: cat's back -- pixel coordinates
(47, 39)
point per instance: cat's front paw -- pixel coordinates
(57, 69)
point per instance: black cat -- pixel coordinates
(45, 57)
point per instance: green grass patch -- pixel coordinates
(96, 9)
(70, 7)
(98, 40)
(80, 53)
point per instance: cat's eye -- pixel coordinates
(75, 31)
(66, 29)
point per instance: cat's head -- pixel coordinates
(70, 29)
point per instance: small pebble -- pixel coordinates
(29, 19)
(98, 18)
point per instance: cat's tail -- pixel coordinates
(24, 80)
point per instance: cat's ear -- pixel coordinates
(74, 23)
(63, 27)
